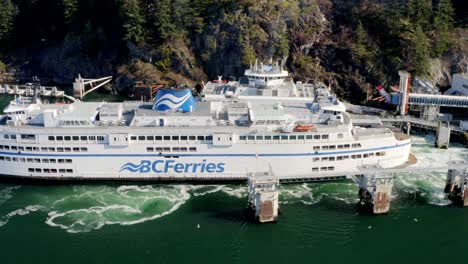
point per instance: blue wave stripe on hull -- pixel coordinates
(208, 155)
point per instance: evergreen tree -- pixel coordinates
(418, 57)
(7, 15)
(134, 21)
(443, 23)
(163, 19)
(420, 12)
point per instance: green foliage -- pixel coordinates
(7, 15)
(443, 23)
(360, 48)
(70, 8)
(248, 56)
(133, 21)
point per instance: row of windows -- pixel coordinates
(356, 156)
(284, 137)
(39, 170)
(174, 149)
(43, 149)
(173, 138)
(22, 136)
(76, 138)
(35, 160)
(315, 169)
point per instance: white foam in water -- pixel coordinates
(19, 212)
(430, 185)
(6, 193)
(88, 208)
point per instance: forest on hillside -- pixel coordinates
(346, 43)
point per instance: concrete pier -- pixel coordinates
(456, 186)
(263, 196)
(443, 135)
(375, 189)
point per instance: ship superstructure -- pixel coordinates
(179, 137)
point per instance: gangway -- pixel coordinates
(438, 100)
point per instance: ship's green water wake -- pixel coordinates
(85, 208)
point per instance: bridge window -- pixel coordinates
(316, 136)
(242, 137)
(325, 136)
(176, 138)
(250, 137)
(28, 136)
(292, 137)
(192, 149)
(84, 138)
(259, 137)
(316, 148)
(167, 138)
(300, 137)
(133, 138)
(59, 138)
(150, 138)
(267, 137)
(141, 137)
(183, 137)
(75, 138)
(309, 136)
(67, 138)
(276, 137)
(315, 169)
(284, 137)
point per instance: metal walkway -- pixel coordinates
(418, 122)
(438, 100)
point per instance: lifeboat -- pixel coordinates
(303, 128)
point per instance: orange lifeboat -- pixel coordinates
(303, 128)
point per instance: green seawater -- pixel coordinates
(183, 223)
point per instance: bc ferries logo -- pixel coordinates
(170, 166)
(174, 99)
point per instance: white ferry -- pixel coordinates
(299, 131)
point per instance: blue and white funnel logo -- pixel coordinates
(174, 99)
(171, 166)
